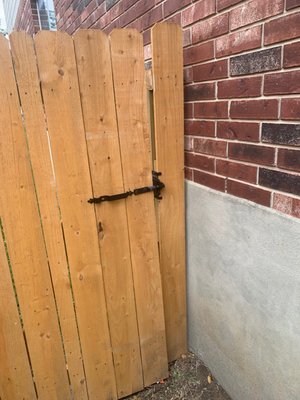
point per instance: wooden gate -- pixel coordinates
(90, 306)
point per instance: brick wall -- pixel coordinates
(27, 17)
(242, 87)
(242, 99)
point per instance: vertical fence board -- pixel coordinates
(97, 97)
(58, 74)
(36, 130)
(167, 64)
(15, 375)
(21, 222)
(131, 106)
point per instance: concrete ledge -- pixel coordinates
(244, 294)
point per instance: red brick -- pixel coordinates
(291, 57)
(245, 131)
(149, 18)
(187, 75)
(188, 143)
(290, 109)
(198, 11)
(203, 91)
(88, 10)
(174, 19)
(114, 25)
(170, 6)
(251, 153)
(289, 159)
(188, 174)
(99, 11)
(254, 11)
(89, 21)
(287, 205)
(73, 27)
(214, 109)
(292, 4)
(254, 109)
(120, 7)
(211, 147)
(243, 87)
(237, 42)
(281, 29)
(188, 110)
(210, 28)
(136, 11)
(282, 83)
(105, 20)
(187, 41)
(211, 71)
(212, 181)
(222, 4)
(201, 52)
(147, 39)
(200, 162)
(199, 128)
(248, 192)
(235, 170)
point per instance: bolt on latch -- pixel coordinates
(156, 188)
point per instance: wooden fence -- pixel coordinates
(90, 306)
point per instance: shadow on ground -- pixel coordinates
(189, 380)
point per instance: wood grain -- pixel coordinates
(167, 64)
(22, 226)
(15, 375)
(97, 98)
(95, 288)
(134, 136)
(58, 75)
(36, 130)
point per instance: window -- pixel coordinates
(46, 14)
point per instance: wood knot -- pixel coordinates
(61, 72)
(100, 231)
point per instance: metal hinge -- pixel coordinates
(156, 188)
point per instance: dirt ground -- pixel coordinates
(189, 380)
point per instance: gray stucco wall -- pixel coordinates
(244, 294)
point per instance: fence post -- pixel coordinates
(167, 64)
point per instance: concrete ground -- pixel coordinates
(189, 380)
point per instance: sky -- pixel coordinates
(2, 18)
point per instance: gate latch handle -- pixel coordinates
(156, 188)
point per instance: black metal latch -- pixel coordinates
(156, 188)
